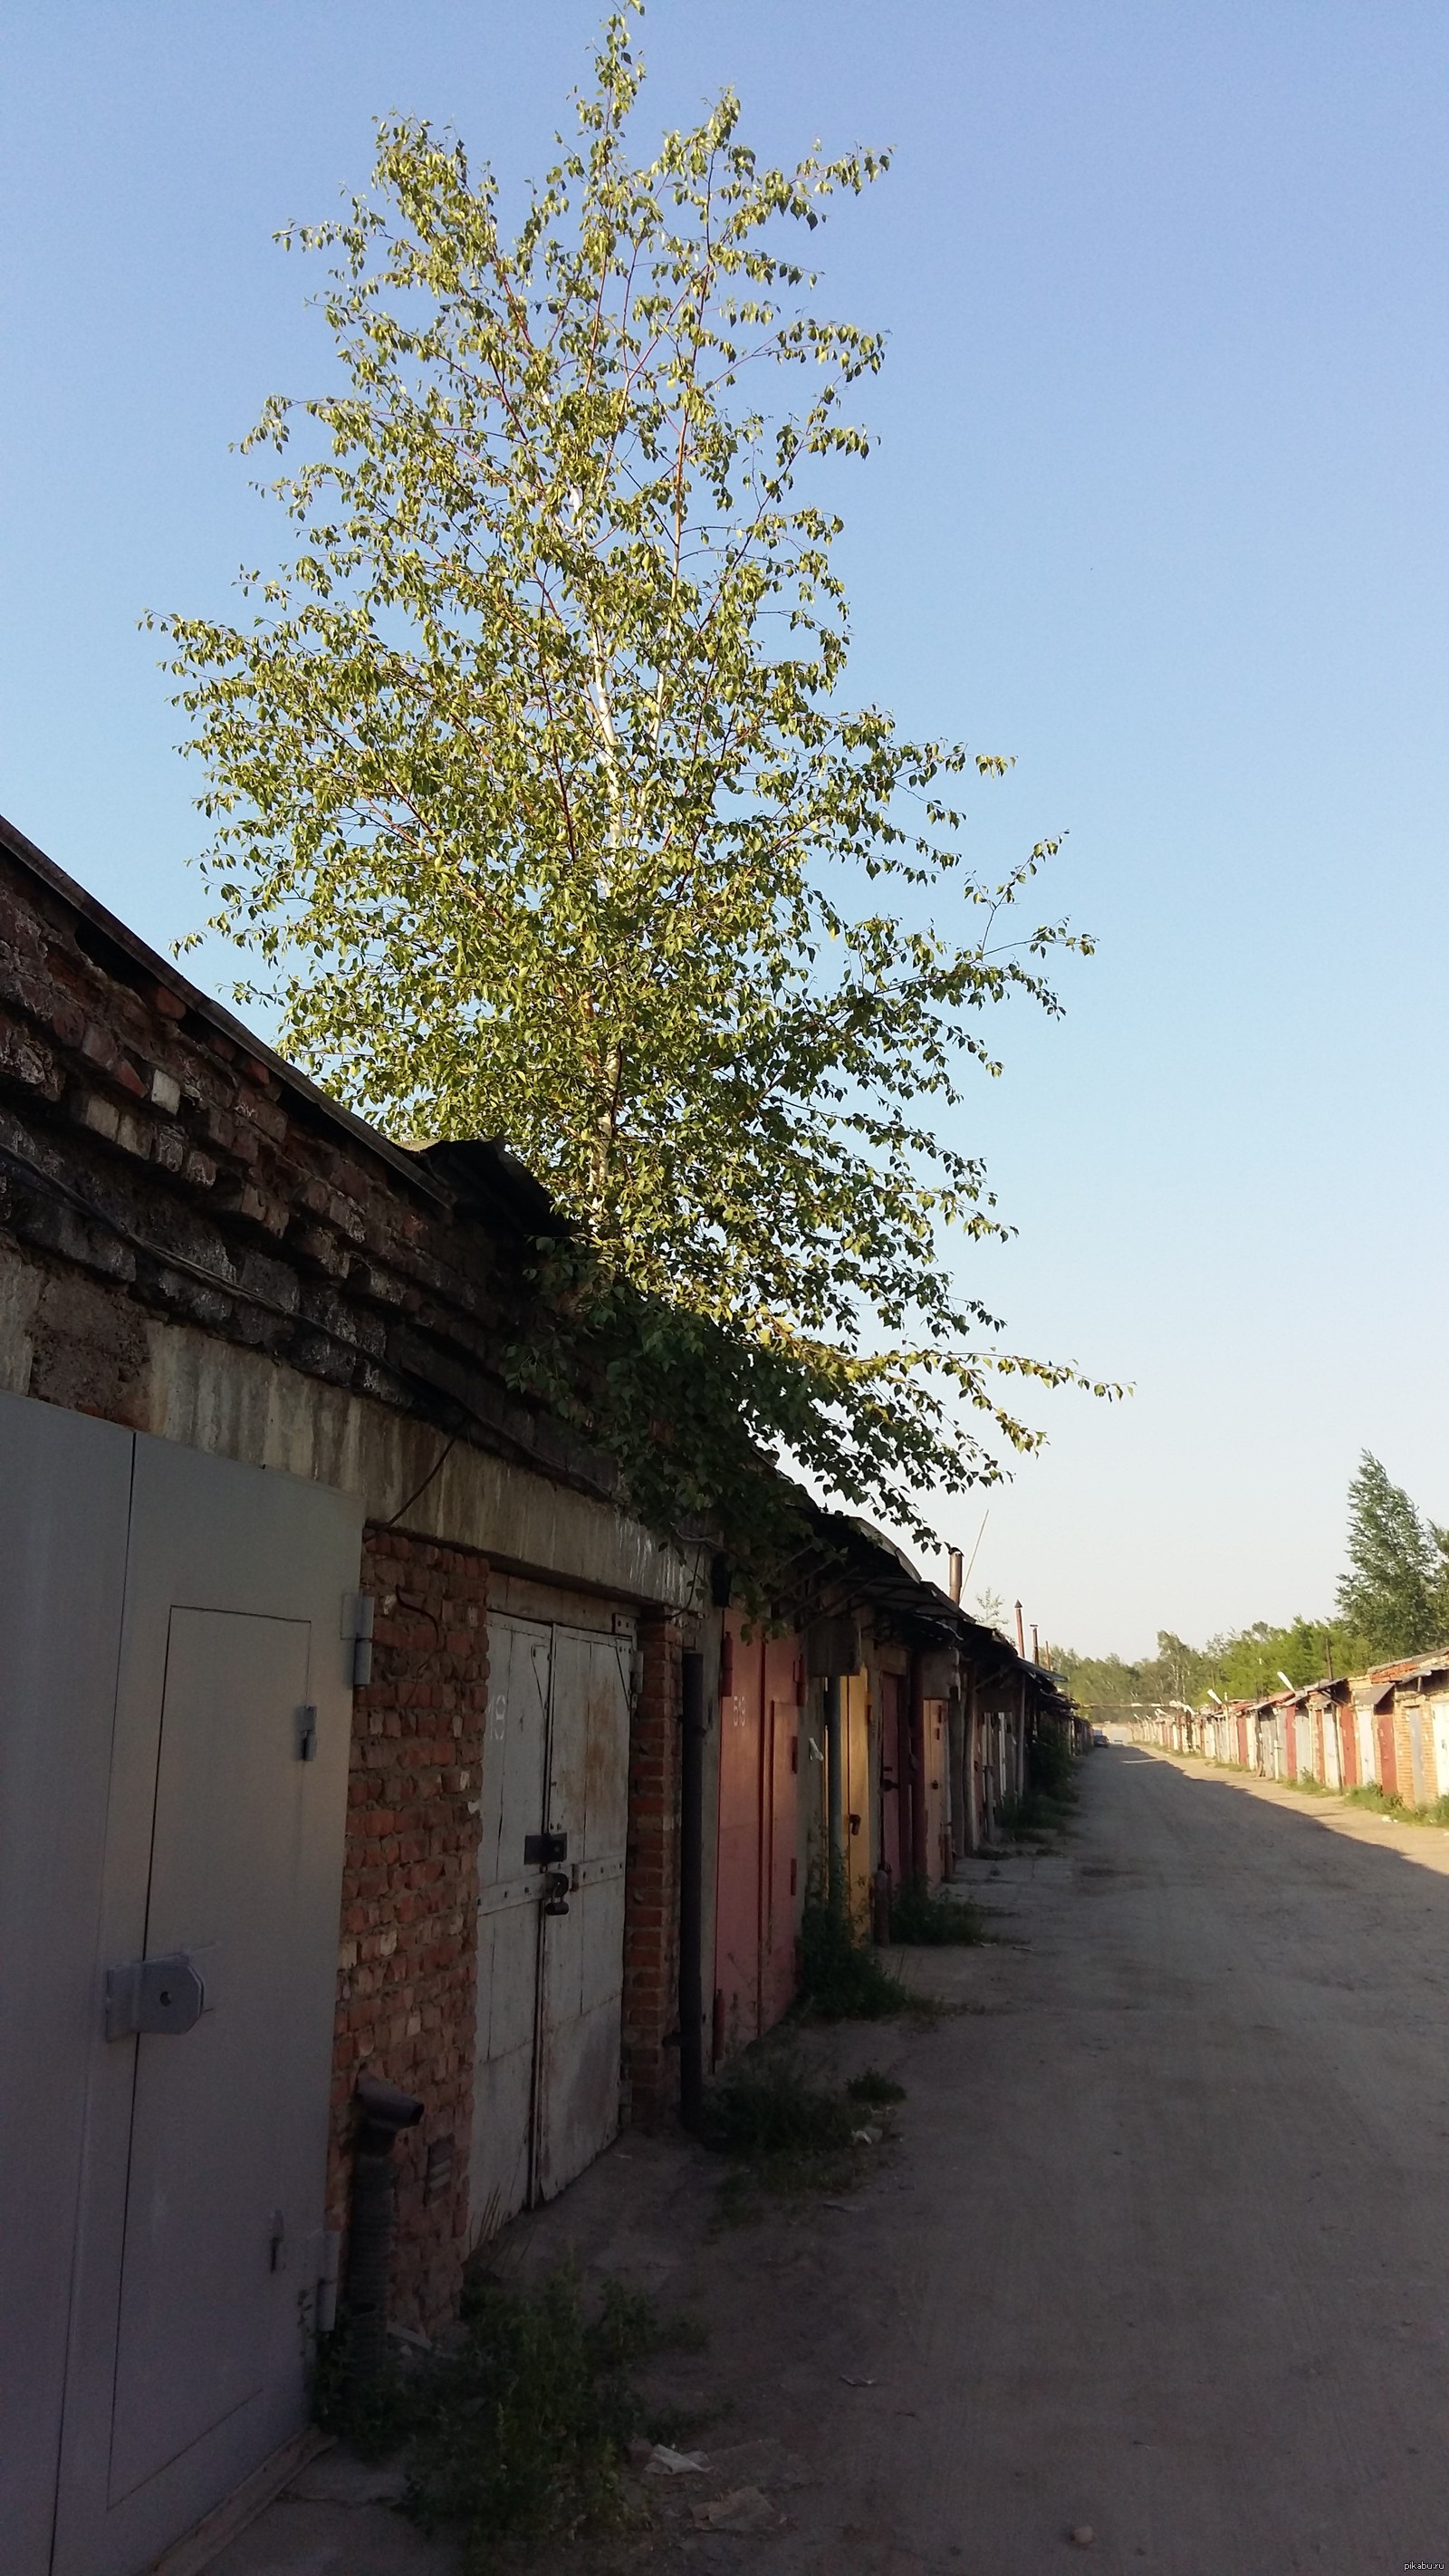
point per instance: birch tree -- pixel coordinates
(542, 809)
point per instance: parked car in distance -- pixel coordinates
(1099, 1735)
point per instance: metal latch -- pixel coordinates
(160, 1998)
(541, 1850)
(556, 1899)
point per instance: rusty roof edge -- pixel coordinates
(904, 1589)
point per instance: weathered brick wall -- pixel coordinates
(651, 1894)
(155, 1163)
(407, 1968)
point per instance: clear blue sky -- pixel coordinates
(1159, 506)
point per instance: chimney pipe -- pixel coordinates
(1020, 1634)
(1035, 1648)
(953, 1573)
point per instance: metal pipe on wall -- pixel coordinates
(835, 1784)
(691, 1893)
(920, 1818)
(382, 2110)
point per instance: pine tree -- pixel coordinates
(1391, 1588)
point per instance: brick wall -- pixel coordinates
(407, 1970)
(156, 1164)
(651, 1897)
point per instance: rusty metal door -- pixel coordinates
(758, 1895)
(738, 1889)
(780, 1870)
(860, 1792)
(551, 1910)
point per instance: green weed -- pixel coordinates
(1387, 1802)
(921, 1917)
(765, 2102)
(841, 1976)
(1380, 1802)
(785, 2134)
(528, 2419)
(373, 2412)
(875, 2088)
(1035, 1814)
(1050, 1764)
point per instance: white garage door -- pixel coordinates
(551, 1910)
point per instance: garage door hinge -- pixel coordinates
(323, 2267)
(358, 1612)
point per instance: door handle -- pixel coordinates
(161, 1997)
(556, 1892)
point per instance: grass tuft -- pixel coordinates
(785, 2134)
(921, 1918)
(765, 2103)
(873, 2087)
(841, 1976)
(517, 2433)
(1387, 1802)
(530, 2417)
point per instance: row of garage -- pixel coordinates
(354, 1730)
(1385, 1729)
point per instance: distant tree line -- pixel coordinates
(1392, 1601)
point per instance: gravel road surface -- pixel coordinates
(1162, 2253)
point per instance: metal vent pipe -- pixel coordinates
(382, 2110)
(691, 1893)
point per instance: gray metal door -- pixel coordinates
(195, 2159)
(551, 1911)
(65, 1507)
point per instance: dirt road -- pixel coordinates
(1163, 2251)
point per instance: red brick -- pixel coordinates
(411, 1874)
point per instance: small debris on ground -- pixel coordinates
(1083, 2534)
(664, 2463)
(745, 2510)
(855, 2383)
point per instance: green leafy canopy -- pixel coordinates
(540, 809)
(1396, 1588)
